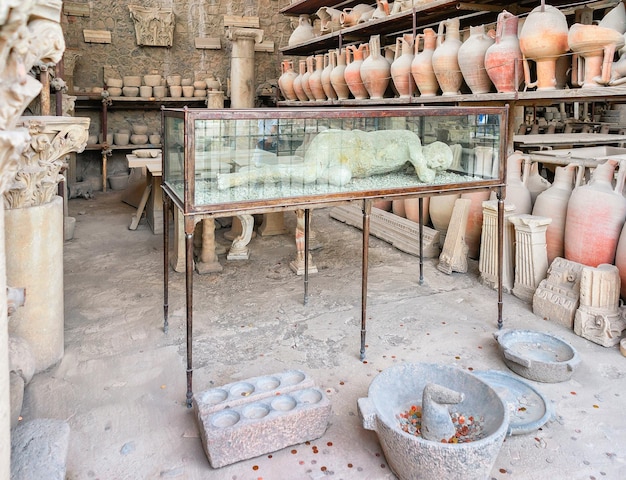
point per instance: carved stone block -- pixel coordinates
(557, 296)
(453, 257)
(154, 27)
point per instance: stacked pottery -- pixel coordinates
(595, 216)
(375, 70)
(329, 59)
(446, 57)
(401, 67)
(503, 60)
(543, 39)
(306, 77)
(552, 203)
(337, 78)
(315, 80)
(352, 73)
(285, 81)
(422, 65)
(472, 60)
(297, 82)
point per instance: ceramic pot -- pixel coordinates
(337, 78)
(401, 67)
(159, 91)
(285, 81)
(356, 14)
(615, 19)
(152, 80)
(352, 73)
(552, 203)
(130, 91)
(535, 182)
(412, 209)
(595, 216)
(422, 65)
(137, 139)
(375, 70)
(297, 82)
(315, 80)
(303, 32)
(503, 59)
(132, 81)
(173, 80)
(382, 205)
(620, 263)
(139, 128)
(330, 64)
(517, 192)
(474, 228)
(176, 91)
(329, 19)
(145, 91)
(121, 138)
(446, 57)
(440, 209)
(543, 39)
(471, 58)
(305, 78)
(115, 91)
(154, 139)
(397, 208)
(187, 91)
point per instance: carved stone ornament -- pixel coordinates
(154, 27)
(39, 172)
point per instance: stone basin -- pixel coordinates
(396, 389)
(537, 355)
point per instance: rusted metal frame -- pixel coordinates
(420, 205)
(367, 210)
(307, 214)
(166, 260)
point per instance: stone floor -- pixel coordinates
(121, 384)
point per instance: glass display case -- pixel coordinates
(237, 160)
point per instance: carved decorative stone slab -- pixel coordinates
(453, 257)
(154, 27)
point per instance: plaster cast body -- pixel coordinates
(337, 156)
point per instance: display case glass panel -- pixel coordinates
(217, 160)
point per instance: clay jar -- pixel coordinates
(315, 80)
(401, 67)
(440, 210)
(471, 57)
(446, 57)
(552, 203)
(285, 81)
(422, 65)
(306, 86)
(337, 76)
(297, 82)
(330, 64)
(352, 73)
(375, 70)
(595, 217)
(503, 59)
(543, 39)
(517, 193)
(303, 32)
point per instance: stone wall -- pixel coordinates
(193, 19)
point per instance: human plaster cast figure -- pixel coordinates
(337, 156)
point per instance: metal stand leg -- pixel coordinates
(166, 260)
(189, 292)
(306, 255)
(500, 252)
(367, 209)
(420, 205)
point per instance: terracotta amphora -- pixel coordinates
(352, 73)
(517, 192)
(595, 216)
(303, 32)
(337, 78)
(472, 60)
(285, 81)
(401, 67)
(307, 76)
(503, 59)
(315, 80)
(352, 16)
(330, 64)
(440, 209)
(375, 70)
(543, 39)
(297, 82)
(422, 65)
(412, 209)
(535, 182)
(474, 227)
(552, 203)
(446, 57)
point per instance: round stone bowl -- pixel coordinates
(537, 356)
(396, 389)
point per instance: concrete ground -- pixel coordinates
(121, 383)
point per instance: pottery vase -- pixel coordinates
(620, 262)
(615, 19)
(446, 57)
(543, 39)
(358, 13)
(303, 32)
(352, 73)
(474, 227)
(412, 210)
(329, 19)
(397, 208)
(503, 59)
(471, 58)
(440, 209)
(595, 217)
(382, 204)
(517, 192)
(297, 82)
(306, 77)
(535, 182)
(552, 203)
(401, 67)
(422, 65)
(375, 70)
(337, 78)
(315, 80)
(285, 81)
(330, 64)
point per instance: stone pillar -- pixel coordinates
(599, 317)
(297, 265)
(208, 262)
(242, 81)
(453, 257)
(488, 263)
(531, 254)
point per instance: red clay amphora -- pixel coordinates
(503, 59)
(446, 57)
(422, 65)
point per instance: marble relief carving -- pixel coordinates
(154, 27)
